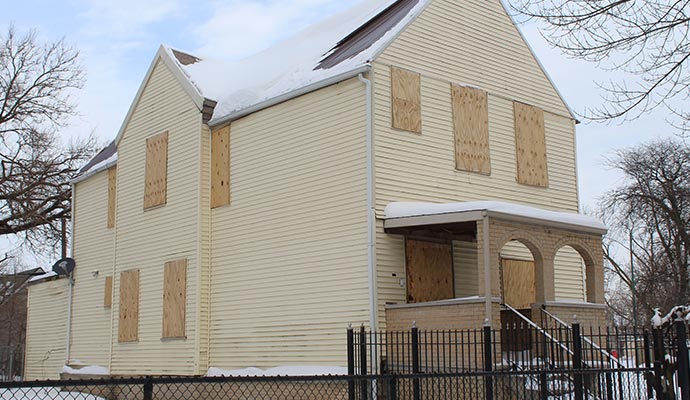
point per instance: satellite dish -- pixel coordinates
(64, 266)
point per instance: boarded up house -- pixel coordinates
(411, 153)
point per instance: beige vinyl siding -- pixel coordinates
(46, 329)
(465, 264)
(289, 254)
(568, 273)
(470, 43)
(147, 239)
(93, 250)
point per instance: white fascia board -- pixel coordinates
(433, 219)
(164, 55)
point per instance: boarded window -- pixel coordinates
(112, 189)
(471, 127)
(156, 184)
(174, 298)
(220, 167)
(128, 325)
(429, 268)
(406, 100)
(108, 292)
(530, 145)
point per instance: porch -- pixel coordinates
(494, 288)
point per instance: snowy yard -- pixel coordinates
(44, 393)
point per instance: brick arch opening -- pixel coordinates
(537, 254)
(588, 259)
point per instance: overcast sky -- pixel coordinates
(118, 39)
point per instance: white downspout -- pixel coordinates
(488, 296)
(70, 282)
(371, 212)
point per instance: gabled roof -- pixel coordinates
(331, 50)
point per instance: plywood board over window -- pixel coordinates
(220, 167)
(471, 129)
(156, 182)
(429, 271)
(406, 99)
(108, 292)
(530, 145)
(128, 323)
(112, 190)
(174, 298)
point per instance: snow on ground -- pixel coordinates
(41, 393)
(300, 370)
(87, 370)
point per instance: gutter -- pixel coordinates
(70, 283)
(371, 212)
(289, 95)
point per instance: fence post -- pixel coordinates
(648, 364)
(350, 362)
(393, 387)
(10, 372)
(577, 362)
(148, 389)
(363, 362)
(488, 364)
(683, 367)
(416, 390)
(659, 353)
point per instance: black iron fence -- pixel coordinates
(11, 363)
(518, 362)
(527, 361)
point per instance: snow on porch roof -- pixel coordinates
(333, 48)
(404, 214)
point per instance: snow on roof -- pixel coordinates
(47, 275)
(102, 160)
(404, 209)
(343, 43)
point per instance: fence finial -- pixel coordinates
(486, 322)
(575, 319)
(349, 325)
(414, 324)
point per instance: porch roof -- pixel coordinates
(408, 214)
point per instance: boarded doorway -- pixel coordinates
(429, 270)
(518, 290)
(518, 283)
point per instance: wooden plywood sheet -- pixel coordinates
(406, 99)
(128, 325)
(156, 183)
(518, 283)
(530, 145)
(471, 129)
(112, 190)
(429, 268)
(174, 298)
(220, 167)
(108, 292)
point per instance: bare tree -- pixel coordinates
(648, 39)
(649, 216)
(36, 81)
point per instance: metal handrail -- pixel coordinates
(585, 338)
(538, 328)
